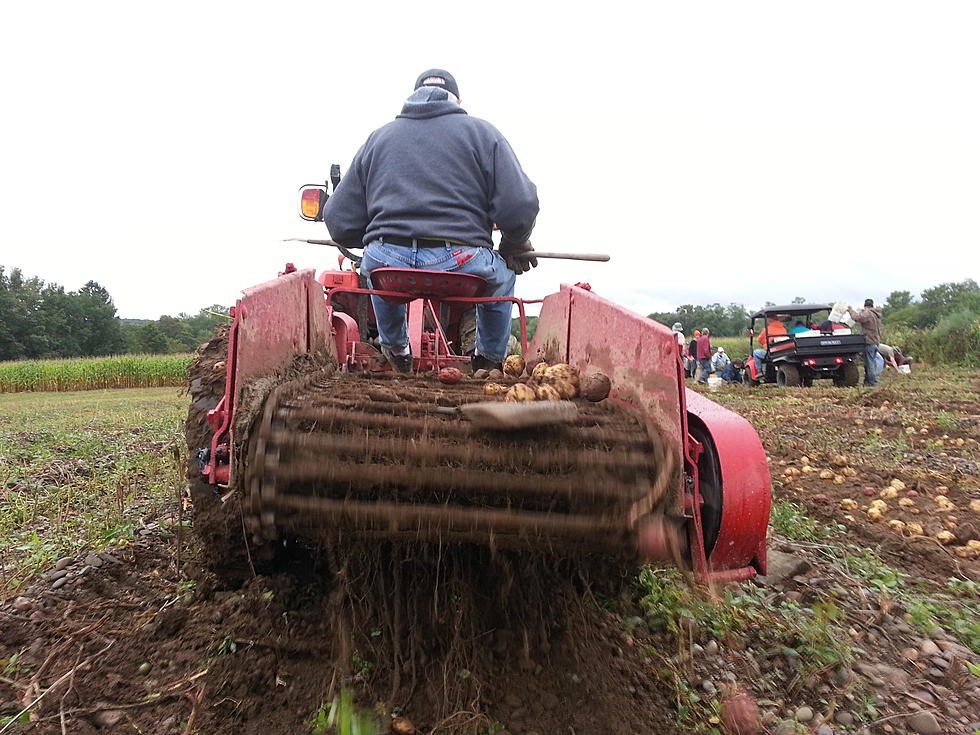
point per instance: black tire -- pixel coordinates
(808, 381)
(747, 379)
(788, 376)
(847, 376)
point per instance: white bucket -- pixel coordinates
(903, 369)
(714, 382)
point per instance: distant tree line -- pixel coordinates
(41, 320)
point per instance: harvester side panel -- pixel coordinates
(278, 320)
(638, 354)
(274, 322)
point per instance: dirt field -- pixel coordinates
(859, 627)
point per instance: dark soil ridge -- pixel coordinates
(124, 648)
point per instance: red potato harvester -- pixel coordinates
(321, 439)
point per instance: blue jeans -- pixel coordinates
(730, 374)
(760, 357)
(705, 369)
(870, 368)
(493, 319)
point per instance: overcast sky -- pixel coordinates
(718, 151)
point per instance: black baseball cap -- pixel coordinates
(438, 78)
(869, 302)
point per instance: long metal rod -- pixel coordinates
(596, 257)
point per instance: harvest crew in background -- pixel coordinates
(704, 355)
(424, 192)
(678, 330)
(774, 328)
(692, 353)
(870, 320)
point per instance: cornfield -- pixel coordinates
(126, 371)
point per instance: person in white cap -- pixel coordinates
(678, 330)
(719, 360)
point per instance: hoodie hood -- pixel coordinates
(427, 102)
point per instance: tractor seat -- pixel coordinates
(420, 284)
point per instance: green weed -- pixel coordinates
(790, 520)
(227, 644)
(361, 667)
(343, 717)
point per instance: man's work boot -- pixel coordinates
(479, 362)
(399, 363)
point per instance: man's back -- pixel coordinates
(433, 172)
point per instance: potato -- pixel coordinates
(880, 505)
(942, 502)
(897, 526)
(897, 484)
(514, 366)
(546, 393)
(975, 506)
(219, 366)
(519, 393)
(596, 387)
(838, 479)
(874, 514)
(913, 529)
(945, 538)
(450, 375)
(564, 372)
(494, 389)
(840, 460)
(967, 552)
(826, 474)
(537, 373)
(481, 374)
(565, 388)
(848, 504)
(906, 503)
(849, 472)
(402, 726)
(888, 493)
(496, 374)
(807, 469)
(804, 460)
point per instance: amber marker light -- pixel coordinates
(309, 203)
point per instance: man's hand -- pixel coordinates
(509, 250)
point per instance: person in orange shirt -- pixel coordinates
(775, 328)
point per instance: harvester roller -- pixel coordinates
(329, 458)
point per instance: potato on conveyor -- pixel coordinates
(514, 366)
(564, 378)
(546, 392)
(596, 387)
(494, 389)
(519, 393)
(537, 373)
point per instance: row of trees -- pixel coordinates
(41, 320)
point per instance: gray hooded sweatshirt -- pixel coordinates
(433, 172)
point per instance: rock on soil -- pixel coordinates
(924, 723)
